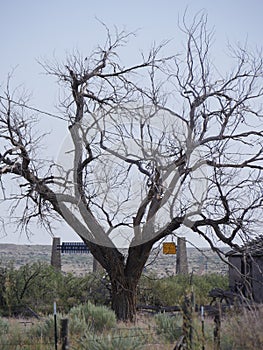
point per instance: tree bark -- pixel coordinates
(124, 282)
(124, 295)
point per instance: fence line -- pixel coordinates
(188, 310)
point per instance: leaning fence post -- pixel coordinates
(64, 334)
(187, 322)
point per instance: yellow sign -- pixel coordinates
(169, 248)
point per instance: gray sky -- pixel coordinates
(32, 30)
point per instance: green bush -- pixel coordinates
(4, 326)
(37, 285)
(32, 284)
(169, 326)
(98, 317)
(45, 328)
(78, 325)
(14, 339)
(203, 284)
(171, 290)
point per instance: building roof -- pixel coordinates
(253, 247)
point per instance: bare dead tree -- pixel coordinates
(140, 163)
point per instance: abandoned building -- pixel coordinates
(246, 269)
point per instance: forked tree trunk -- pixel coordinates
(124, 278)
(124, 282)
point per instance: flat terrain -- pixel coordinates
(199, 261)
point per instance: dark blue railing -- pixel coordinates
(73, 247)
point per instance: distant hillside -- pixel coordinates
(205, 261)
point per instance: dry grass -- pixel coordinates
(243, 331)
(159, 347)
(239, 331)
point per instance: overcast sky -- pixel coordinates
(33, 30)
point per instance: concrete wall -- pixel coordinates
(181, 257)
(56, 254)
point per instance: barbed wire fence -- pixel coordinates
(143, 336)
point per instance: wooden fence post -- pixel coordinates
(187, 322)
(203, 327)
(64, 334)
(217, 329)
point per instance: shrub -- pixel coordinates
(13, 339)
(203, 284)
(78, 325)
(38, 284)
(4, 326)
(171, 290)
(169, 326)
(45, 328)
(98, 317)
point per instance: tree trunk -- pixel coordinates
(124, 277)
(124, 282)
(124, 294)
